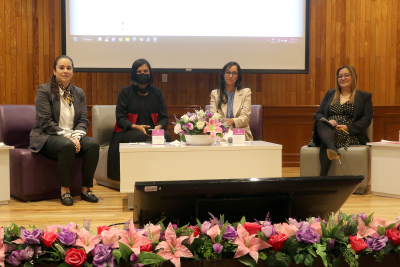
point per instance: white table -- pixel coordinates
(385, 169)
(5, 174)
(148, 162)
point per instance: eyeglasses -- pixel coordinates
(346, 75)
(228, 73)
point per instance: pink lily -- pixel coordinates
(212, 128)
(364, 231)
(377, 222)
(172, 249)
(134, 239)
(85, 240)
(248, 244)
(154, 232)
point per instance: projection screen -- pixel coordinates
(263, 36)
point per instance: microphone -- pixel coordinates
(230, 140)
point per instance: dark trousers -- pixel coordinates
(63, 150)
(138, 136)
(327, 136)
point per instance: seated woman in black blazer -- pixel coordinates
(140, 107)
(60, 129)
(342, 118)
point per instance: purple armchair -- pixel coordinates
(256, 121)
(32, 175)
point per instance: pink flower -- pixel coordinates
(212, 128)
(111, 237)
(85, 240)
(53, 228)
(214, 231)
(134, 239)
(316, 226)
(2, 247)
(248, 244)
(154, 232)
(172, 249)
(377, 222)
(177, 128)
(364, 231)
(286, 229)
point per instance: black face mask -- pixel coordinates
(143, 78)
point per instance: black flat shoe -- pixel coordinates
(332, 154)
(89, 197)
(66, 199)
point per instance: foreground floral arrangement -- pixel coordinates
(249, 242)
(200, 122)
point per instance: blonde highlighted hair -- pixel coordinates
(353, 84)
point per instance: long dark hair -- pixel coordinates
(52, 81)
(139, 62)
(223, 98)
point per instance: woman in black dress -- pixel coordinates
(140, 107)
(342, 118)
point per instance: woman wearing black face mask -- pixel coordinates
(140, 107)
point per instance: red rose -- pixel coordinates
(276, 241)
(357, 244)
(102, 228)
(196, 230)
(147, 248)
(49, 238)
(252, 228)
(75, 257)
(394, 236)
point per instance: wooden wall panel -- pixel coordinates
(363, 33)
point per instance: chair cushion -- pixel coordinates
(34, 177)
(16, 122)
(103, 122)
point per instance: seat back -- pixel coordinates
(370, 131)
(16, 123)
(256, 121)
(103, 122)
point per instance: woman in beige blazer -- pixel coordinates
(232, 101)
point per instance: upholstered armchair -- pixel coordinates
(32, 175)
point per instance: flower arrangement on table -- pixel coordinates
(200, 122)
(215, 239)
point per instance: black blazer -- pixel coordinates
(48, 115)
(362, 114)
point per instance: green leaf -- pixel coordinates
(311, 251)
(248, 261)
(64, 264)
(299, 258)
(325, 232)
(352, 228)
(389, 247)
(199, 224)
(336, 229)
(293, 246)
(368, 220)
(148, 258)
(15, 230)
(381, 230)
(271, 260)
(392, 225)
(348, 218)
(308, 260)
(28, 264)
(243, 220)
(283, 259)
(224, 228)
(336, 262)
(117, 255)
(126, 252)
(182, 137)
(321, 252)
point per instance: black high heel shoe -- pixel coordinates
(332, 154)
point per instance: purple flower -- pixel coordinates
(330, 244)
(102, 256)
(66, 237)
(398, 218)
(188, 126)
(376, 244)
(217, 248)
(174, 226)
(305, 225)
(313, 220)
(268, 230)
(39, 252)
(134, 258)
(295, 223)
(31, 238)
(230, 233)
(205, 227)
(209, 114)
(26, 254)
(362, 216)
(184, 131)
(307, 235)
(14, 258)
(162, 236)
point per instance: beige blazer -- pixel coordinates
(241, 109)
